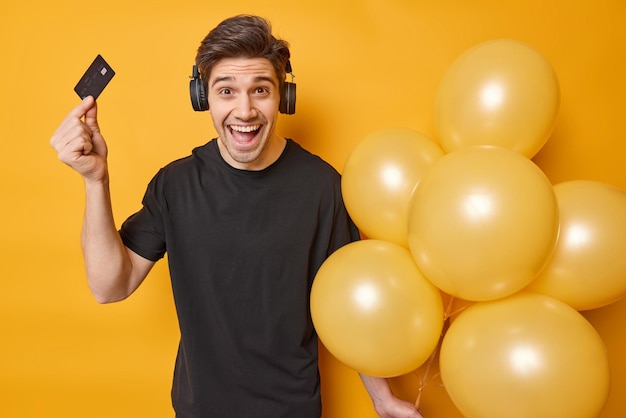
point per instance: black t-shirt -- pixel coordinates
(243, 249)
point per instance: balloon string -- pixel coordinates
(424, 381)
(447, 314)
(458, 311)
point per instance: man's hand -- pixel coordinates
(386, 404)
(79, 143)
(397, 408)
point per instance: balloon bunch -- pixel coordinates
(473, 218)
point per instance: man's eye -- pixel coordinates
(225, 91)
(261, 90)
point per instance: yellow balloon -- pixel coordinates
(501, 93)
(588, 268)
(528, 355)
(374, 311)
(483, 223)
(379, 176)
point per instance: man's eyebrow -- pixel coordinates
(221, 79)
(229, 78)
(265, 78)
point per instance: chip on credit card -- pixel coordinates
(95, 78)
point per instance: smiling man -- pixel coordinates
(246, 220)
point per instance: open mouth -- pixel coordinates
(244, 134)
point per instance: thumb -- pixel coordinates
(90, 108)
(91, 113)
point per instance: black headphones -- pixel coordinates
(200, 102)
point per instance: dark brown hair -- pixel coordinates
(242, 36)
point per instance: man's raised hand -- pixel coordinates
(79, 144)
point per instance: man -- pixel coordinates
(246, 220)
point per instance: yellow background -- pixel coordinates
(360, 66)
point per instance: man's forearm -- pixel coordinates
(106, 260)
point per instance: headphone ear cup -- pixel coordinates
(198, 95)
(288, 99)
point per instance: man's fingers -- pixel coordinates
(67, 134)
(82, 108)
(75, 147)
(73, 124)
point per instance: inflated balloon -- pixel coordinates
(374, 311)
(528, 355)
(483, 223)
(501, 93)
(379, 176)
(588, 268)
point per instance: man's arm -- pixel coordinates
(113, 271)
(386, 404)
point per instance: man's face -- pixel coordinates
(244, 96)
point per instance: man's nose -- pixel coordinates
(244, 107)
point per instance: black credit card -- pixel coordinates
(95, 79)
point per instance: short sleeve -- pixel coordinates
(143, 232)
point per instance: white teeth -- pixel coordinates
(249, 128)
